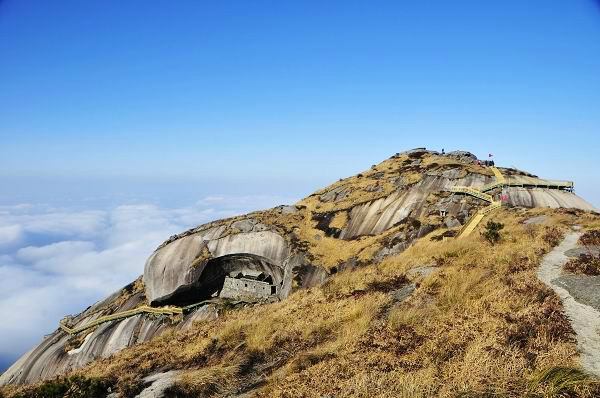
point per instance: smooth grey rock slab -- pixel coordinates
(285, 209)
(536, 220)
(584, 288)
(421, 272)
(244, 225)
(404, 292)
(578, 251)
(584, 318)
(553, 198)
(174, 267)
(463, 156)
(158, 384)
(452, 222)
(202, 314)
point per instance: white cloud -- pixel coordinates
(10, 235)
(60, 261)
(62, 251)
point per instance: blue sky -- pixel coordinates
(295, 92)
(191, 110)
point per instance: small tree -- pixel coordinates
(492, 232)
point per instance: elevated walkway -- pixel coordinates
(121, 315)
(474, 221)
(491, 186)
(473, 192)
(145, 309)
(499, 177)
(501, 181)
(470, 225)
(525, 182)
(533, 182)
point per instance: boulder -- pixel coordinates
(176, 268)
(463, 156)
(553, 198)
(246, 225)
(157, 384)
(452, 222)
(536, 220)
(284, 209)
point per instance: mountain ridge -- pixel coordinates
(355, 222)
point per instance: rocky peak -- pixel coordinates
(265, 255)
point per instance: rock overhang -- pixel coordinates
(380, 205)
(177, 268)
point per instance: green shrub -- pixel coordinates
(71, 387)
(564, 382)
(492, 232)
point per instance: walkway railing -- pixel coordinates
(121, 315)
(144, 309)
(473, 192)
(499, 177)
(472, 223)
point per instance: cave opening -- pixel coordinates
(240, 275)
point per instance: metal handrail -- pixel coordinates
(121, 315)
(473, 192)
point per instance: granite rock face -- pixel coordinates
(552, 198)
(290, 247)
(179, 265)
(60, 352)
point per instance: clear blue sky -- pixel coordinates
(292, 95)
(123, 122)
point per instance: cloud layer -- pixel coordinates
(57, 261)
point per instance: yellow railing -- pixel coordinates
(492, 207)
(472, 223)
(491, 186)
(499, 177)
(145, 309)
(120, 315)
(473, 192)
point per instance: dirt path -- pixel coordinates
(585, 319)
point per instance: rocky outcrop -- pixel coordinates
(60, 352)
(538, 197)
(288, 247)
(462, 156)
(157, 384)
(178, 266)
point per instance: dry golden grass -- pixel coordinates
(383, 175)
(339, 220)
(480, 325)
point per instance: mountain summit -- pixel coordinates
(377, 285)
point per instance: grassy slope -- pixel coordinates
(481, 325)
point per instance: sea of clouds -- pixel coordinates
(56, 261)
